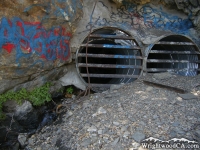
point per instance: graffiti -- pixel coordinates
(28, 38)
(61, 9)
(142, 18)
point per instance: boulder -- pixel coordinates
(12, 108)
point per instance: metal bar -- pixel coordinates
(108, 66)
(101, 85)
(110, 75)
(173, 52)
(169, 69)
(86, 58)
(109, 56)
(111, 36)
(111, 46)
(174, 43)
(170, 61)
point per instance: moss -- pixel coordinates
(37, 96)
(70, 90)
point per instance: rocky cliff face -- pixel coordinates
(34, 38)
(38, 37)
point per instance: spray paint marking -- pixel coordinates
(29, 38)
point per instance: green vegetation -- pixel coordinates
(37, 96)
(70, 90)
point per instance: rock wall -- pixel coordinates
(34, 38)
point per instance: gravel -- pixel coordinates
(125, 115)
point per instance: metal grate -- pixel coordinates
(175, 54)
(113, 56)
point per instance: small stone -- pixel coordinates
(116, 123)
(115, 141)
(48, 139)
(100, 111)
(173, 134)
(23, 109)
(135, 145)
(130, 117)
(126, 134)
(39, 148)
(86, 105)
(30, 141)
(58, 131)
(100, 131)
(22, 139)
(138, 136)
(188, 96)
(105, 130)
(105, 139)
(68, 114)
(92, 129)
(74, 106)
(155, 116)
(73, 97)
(115, 87)
(142, 123)
(108, 96)
(86, 142)
(150, 88)
(94, 139)
(179, 99)
(94, 135)
(124, 128)
(180, 131)
(162, 76)
(176, 124)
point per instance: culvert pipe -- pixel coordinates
(114, 57)
(174, 53)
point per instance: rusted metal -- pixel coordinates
(111, 46)
(174, 43)
(123, 57)
(111, 75)
(173, 52)
(110, 56)
(86, 58)
(111, 36)
(108, 66)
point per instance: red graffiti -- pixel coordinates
(8, 47)
(29, 38)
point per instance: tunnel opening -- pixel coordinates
(113, 56)
(174, 53)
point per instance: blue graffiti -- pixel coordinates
(30, 38)
(68, 10)
(133, 17)
(156, 18)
